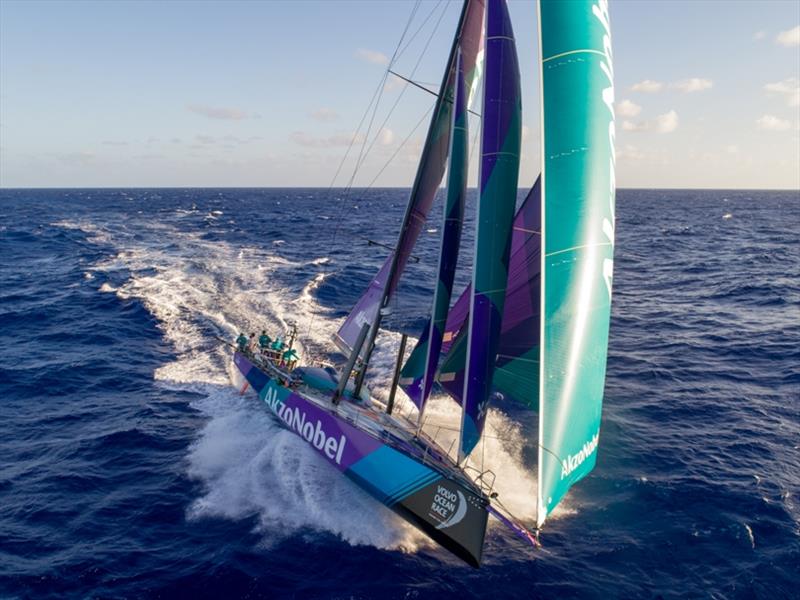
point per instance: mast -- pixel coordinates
(393, 268)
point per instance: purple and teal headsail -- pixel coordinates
(429, 173)
(516, 373)
(499, 174)
(578, 239)
(418, 373)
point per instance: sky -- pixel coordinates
(241, 94)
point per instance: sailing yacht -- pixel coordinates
(533, 323)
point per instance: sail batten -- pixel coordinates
(499, 171)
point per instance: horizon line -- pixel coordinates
(294, 187)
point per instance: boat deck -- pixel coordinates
(364, 413)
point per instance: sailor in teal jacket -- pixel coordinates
(241, 341)
(290, 358)
(264, 341)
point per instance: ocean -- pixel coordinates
(131, 468)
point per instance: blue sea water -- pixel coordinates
(132, 469)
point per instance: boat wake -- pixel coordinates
(250, 467)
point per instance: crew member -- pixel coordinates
(290, 358)
(241, 341)
(264, 341)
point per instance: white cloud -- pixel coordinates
(386, 137)
(631, 126)
(626, 108)
(393, 83)
(789, 38)
(324, 114)
(233, 114)
(788, 88)
(695, 84)
(666, 123)
(229, 140)
(773, 123)
(372, 56)
(629, 153)
(74, 158)
(732, 149)
(759, 35)
(333, 141)
(647, 86)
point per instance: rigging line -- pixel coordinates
(378, 89)
(551, 453)
(372, 100)
(424, 89)
(403, 91)
(483, 446)
(400, 147)
(375, 95)
(414, 83)
(420, 28)
(382, 87)
(363, 155)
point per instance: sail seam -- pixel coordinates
(581, 51)
(499, 153)
(518, 358)
(578, 248)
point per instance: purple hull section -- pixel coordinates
(384, 464)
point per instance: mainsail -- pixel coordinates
(578, 239)
(429, 175)
(499, 173)
(418, 373)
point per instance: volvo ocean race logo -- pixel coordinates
(448, 507)
(573, 461)
(314, 434)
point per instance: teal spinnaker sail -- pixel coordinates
(578, 187)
